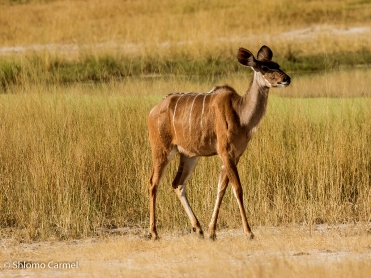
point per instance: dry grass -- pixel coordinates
(329, 251)
(76, 159)
(189, 26)
(61, 42)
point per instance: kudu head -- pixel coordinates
(267, 71)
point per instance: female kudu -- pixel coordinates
(219, 122)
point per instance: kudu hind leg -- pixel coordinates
(222, 186)
(186, 167)
(158, 169)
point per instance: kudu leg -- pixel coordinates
(186, 167)
(222, 186)
(234, 178)
(159, 166)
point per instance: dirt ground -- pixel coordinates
(293, 251)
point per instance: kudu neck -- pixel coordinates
(253, 104)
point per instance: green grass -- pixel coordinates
(110, 67)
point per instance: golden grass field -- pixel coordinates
(78, 167)
(192, 25)
(75, 157)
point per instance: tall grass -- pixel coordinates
(76, 158)
(61, 154)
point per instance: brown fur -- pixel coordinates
(220, 122)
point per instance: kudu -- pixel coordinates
(219, 122)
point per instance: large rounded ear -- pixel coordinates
(265, 53)
(245, 57)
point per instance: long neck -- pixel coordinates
(253, 104)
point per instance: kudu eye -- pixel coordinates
(265, 69)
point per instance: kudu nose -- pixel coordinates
(287, 79)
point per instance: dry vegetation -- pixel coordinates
(73, 162)
(78, 79)
(69, 41)
(191, 24)
(331, 251)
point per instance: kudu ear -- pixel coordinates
(265, 53)
(245, 57)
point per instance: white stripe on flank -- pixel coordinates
(203, 103)
(212, 90)
(190, 113)
(176, 104)
(203, 108)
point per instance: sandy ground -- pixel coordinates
(294, 251)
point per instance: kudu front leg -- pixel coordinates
(234, 178)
